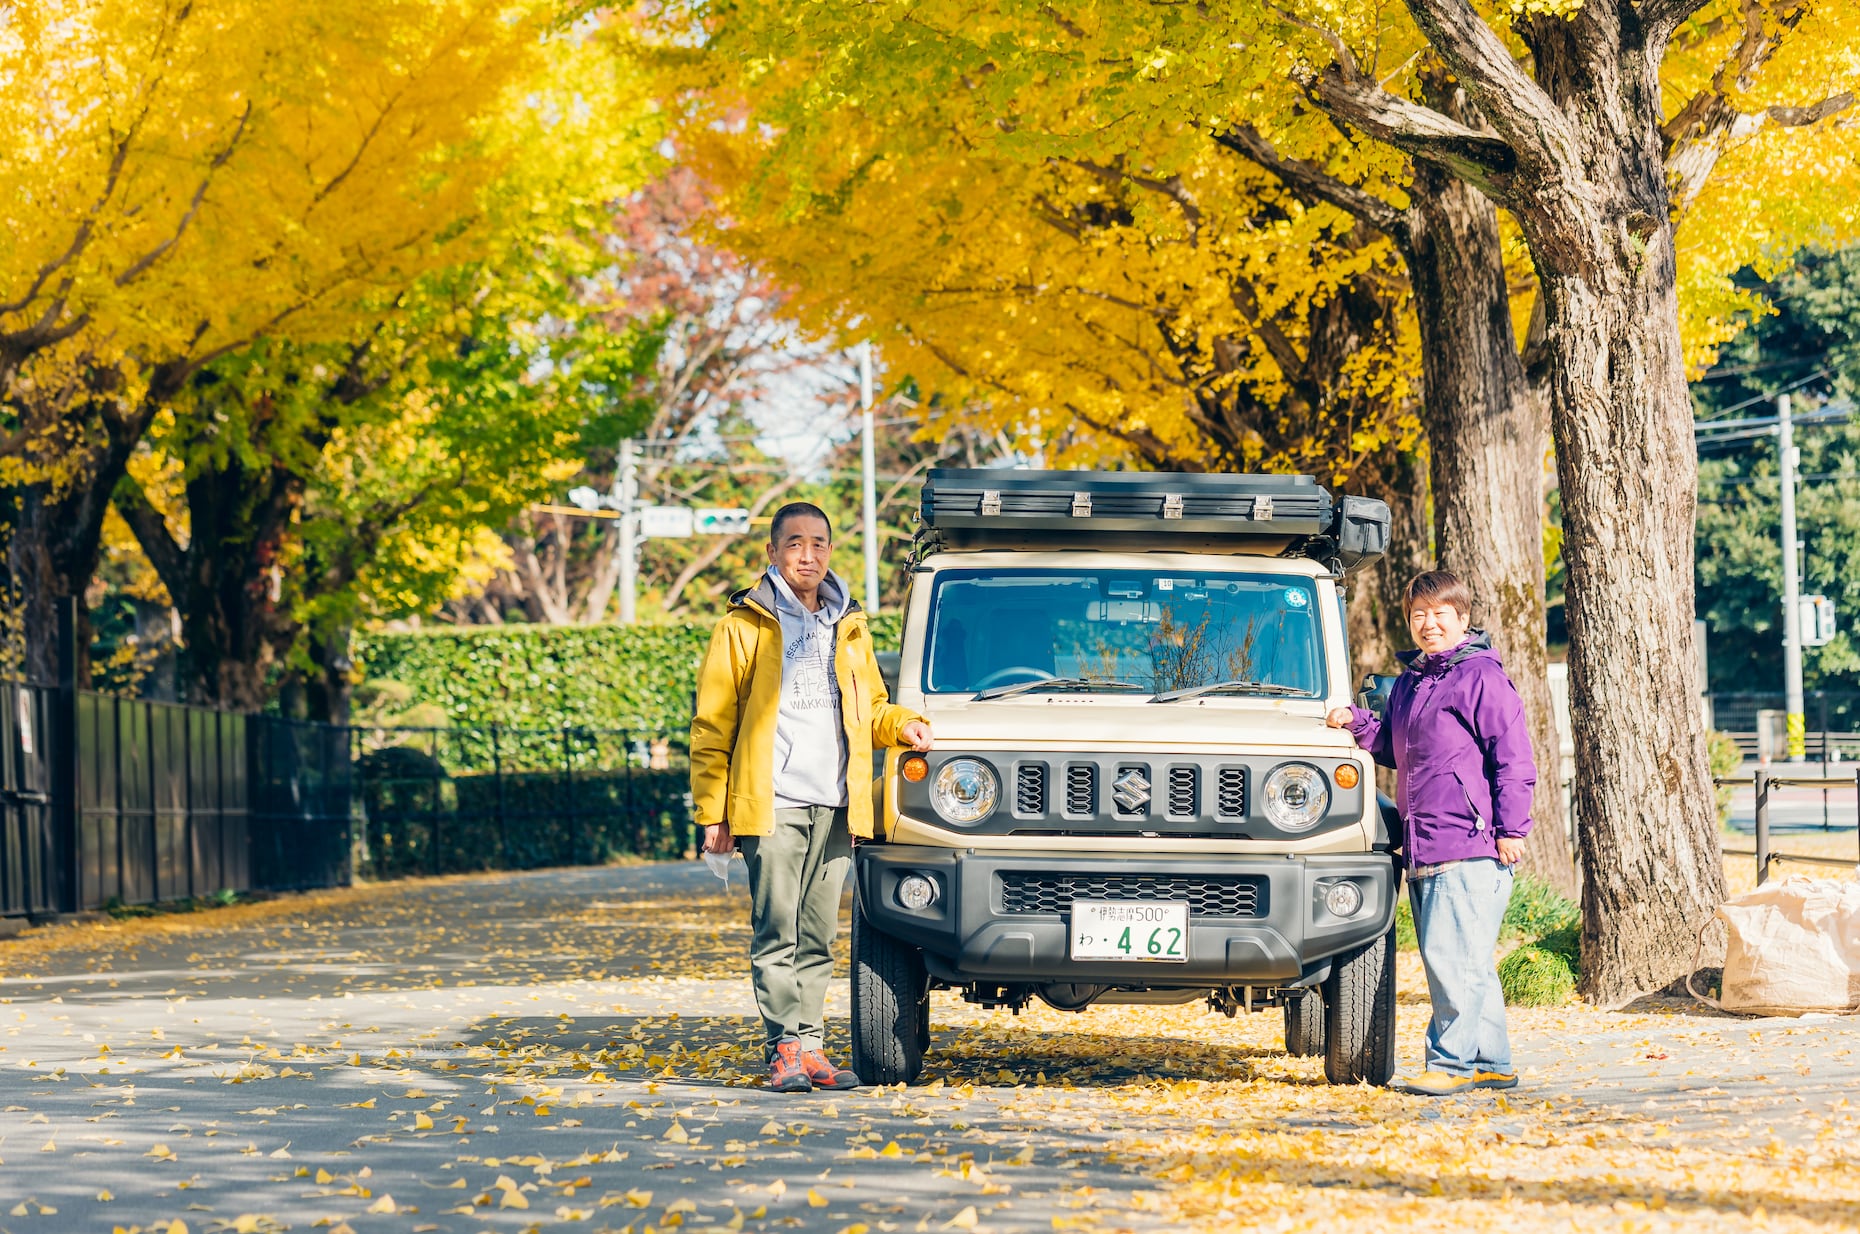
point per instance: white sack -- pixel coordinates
(1793, 947)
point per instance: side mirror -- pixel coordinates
(1375, 693)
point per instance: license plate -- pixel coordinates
(1129, 930)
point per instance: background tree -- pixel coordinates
(1810, 344)
(176, 193)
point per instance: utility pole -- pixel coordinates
(1792, 609)
(866, 451)
(625, 495)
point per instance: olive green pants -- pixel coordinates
(796, 874)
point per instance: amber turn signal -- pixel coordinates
(1347, 775)
(915, 767)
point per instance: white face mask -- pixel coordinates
(719, 864)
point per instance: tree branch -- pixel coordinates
(1661, 19)
(151, 530)
(141, 264)
(1307, 180)
(1520, 109)
(1481, 159)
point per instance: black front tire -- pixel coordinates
(890, 1006)
(1304, 1023)
(1359, 1015)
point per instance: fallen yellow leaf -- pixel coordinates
(383, 1205)
(964, 1220)
(422, 1122)
(815, 1199)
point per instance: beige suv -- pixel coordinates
(1133, 796)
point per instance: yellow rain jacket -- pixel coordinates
(739, 695)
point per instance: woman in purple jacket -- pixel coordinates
(1455, 730)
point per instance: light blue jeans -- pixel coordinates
(1457, 914)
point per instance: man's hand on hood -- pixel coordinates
(917, 735)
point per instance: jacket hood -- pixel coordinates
(1478, 642)
(763, 595)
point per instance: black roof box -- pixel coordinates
(1002, 508)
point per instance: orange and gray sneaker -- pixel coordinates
(787, 1068)
(1434, 1084)
(1495, 1079)
(823, 1074)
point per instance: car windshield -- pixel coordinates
(1161, 630)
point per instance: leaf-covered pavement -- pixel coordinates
(576, 1050)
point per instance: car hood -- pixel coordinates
(1075, 721)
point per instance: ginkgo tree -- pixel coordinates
(1598, 129)
(185, 177)
(1193, 309)
(321, 483)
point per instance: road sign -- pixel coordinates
(1817, 621)
(664, 522)
(721, 522)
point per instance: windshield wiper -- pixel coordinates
(1055, 683)
(1232, 687)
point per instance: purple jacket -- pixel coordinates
(1456, 733)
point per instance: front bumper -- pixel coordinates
(1255, 920)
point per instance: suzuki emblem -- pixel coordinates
(1131, 790)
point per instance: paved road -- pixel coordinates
(576, 1049)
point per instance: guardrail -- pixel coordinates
(1765, 781)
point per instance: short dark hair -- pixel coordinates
(1439, 587)
(794, 510)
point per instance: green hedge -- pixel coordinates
(422, 820)
(633, 677)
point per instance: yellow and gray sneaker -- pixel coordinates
(1434, 1084)
(1495, 1079)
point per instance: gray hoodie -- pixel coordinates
(810, 737)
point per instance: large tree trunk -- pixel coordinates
(227, 582)
(1373, 613)
(1485, 429)
(1488, 438)
(57, 539)
(1598, 225)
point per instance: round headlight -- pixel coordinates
(965, 790)
(1343, 899)
(1297, 797)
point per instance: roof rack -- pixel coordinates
(973, 508)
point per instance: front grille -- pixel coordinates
(1217, 895)
(1081, 789)
(1184, 792)
(1030, 788)
(1230, 793)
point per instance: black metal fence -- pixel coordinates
(497, 797)
(109, 800)
(1832, 719)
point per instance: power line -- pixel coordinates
(1738, 370)
(1767, 397)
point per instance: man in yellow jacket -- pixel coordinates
(790, 705)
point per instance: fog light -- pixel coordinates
(1343, 899)
(914, 767)
(916, 892)
(1347, 775)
